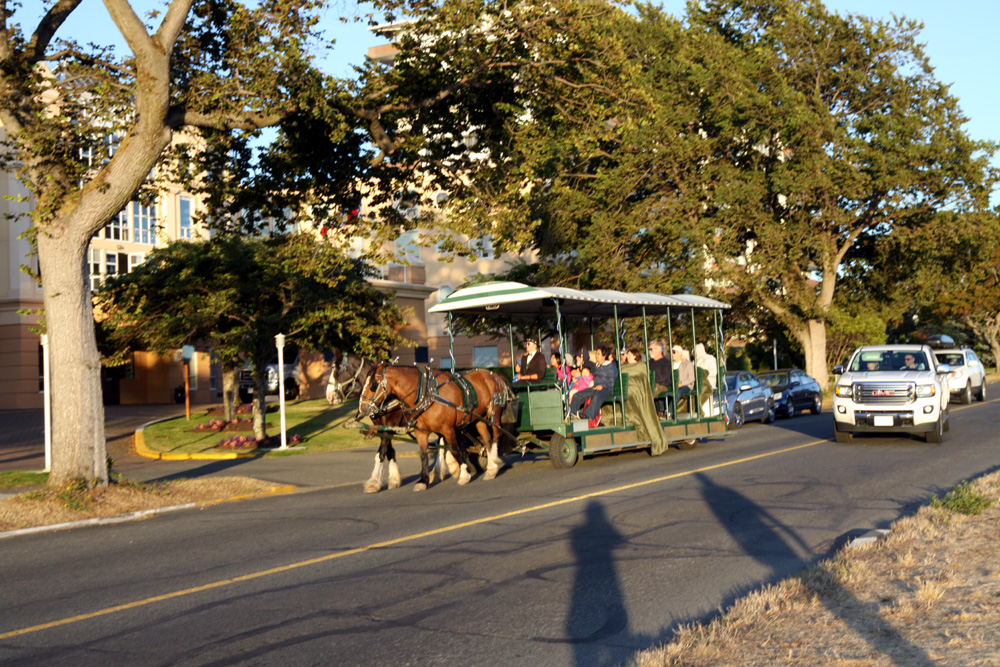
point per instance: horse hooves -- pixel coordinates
(372, 487)
(491, 474)
(395, 483)
(419, 486)
(463, 480)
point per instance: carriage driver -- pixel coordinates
(532, 363)
(604, 381)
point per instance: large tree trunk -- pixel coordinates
(78, 445)
(812, 338)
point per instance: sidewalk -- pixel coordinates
(22, 447)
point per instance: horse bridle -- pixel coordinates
(379, 393)
(339, 387)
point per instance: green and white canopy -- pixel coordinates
(516, 299)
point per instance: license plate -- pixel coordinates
(882, 420)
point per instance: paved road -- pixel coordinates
(539, 567)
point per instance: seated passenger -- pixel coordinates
(584, 380)
(532, 364)
(661, 368)
(604, 383)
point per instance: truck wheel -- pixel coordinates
(562, 451)
(981, 394)
(937, 435)
(966, 396)
(844, 437)
(245, 397)
(291, 390)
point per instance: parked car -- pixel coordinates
(290, 371)
(748, 398)
(793, 391)
(891, 389)
(967, 377)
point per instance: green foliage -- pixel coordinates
(235, 294)
(14, 479)
(964, 500)
(74, 494)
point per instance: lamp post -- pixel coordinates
(47, 402)
(280, 342)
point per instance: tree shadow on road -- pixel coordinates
(777, 546)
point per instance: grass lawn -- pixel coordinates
(14, 479)
(320, 426)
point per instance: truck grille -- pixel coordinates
(246, 376)
(894, 393)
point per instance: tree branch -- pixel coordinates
(47, 27)
(179, 117)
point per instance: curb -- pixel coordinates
(141, 514)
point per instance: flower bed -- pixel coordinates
(249, 442)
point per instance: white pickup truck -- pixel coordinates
(891, 389)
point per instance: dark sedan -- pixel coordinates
(793, 391)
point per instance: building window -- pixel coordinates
(420, 354)
(117, 229)
(143, 223)
(485, 357)
(135, 259)
(95, 269)
(446, 364)
(184, 231)
(41, 366)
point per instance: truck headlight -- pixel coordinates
(843, 391)
(924, 390)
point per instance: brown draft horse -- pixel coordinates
(442, 403)
(346, 381)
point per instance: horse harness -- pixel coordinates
(427, 393)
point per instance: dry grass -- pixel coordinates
(929, 594)
(45, 506)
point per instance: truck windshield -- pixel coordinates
(890, 360)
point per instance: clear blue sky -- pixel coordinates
(960, 40)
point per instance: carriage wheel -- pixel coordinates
(687, 444)
(562, 451)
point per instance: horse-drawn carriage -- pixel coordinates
(536, 416)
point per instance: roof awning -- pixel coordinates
(517, 299)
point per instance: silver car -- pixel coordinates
(748, 398)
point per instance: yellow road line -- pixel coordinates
(387, 543)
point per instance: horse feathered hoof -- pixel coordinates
(372, 486)
(464, 477)
(395, 483)
(419, 486)
(491, 473)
